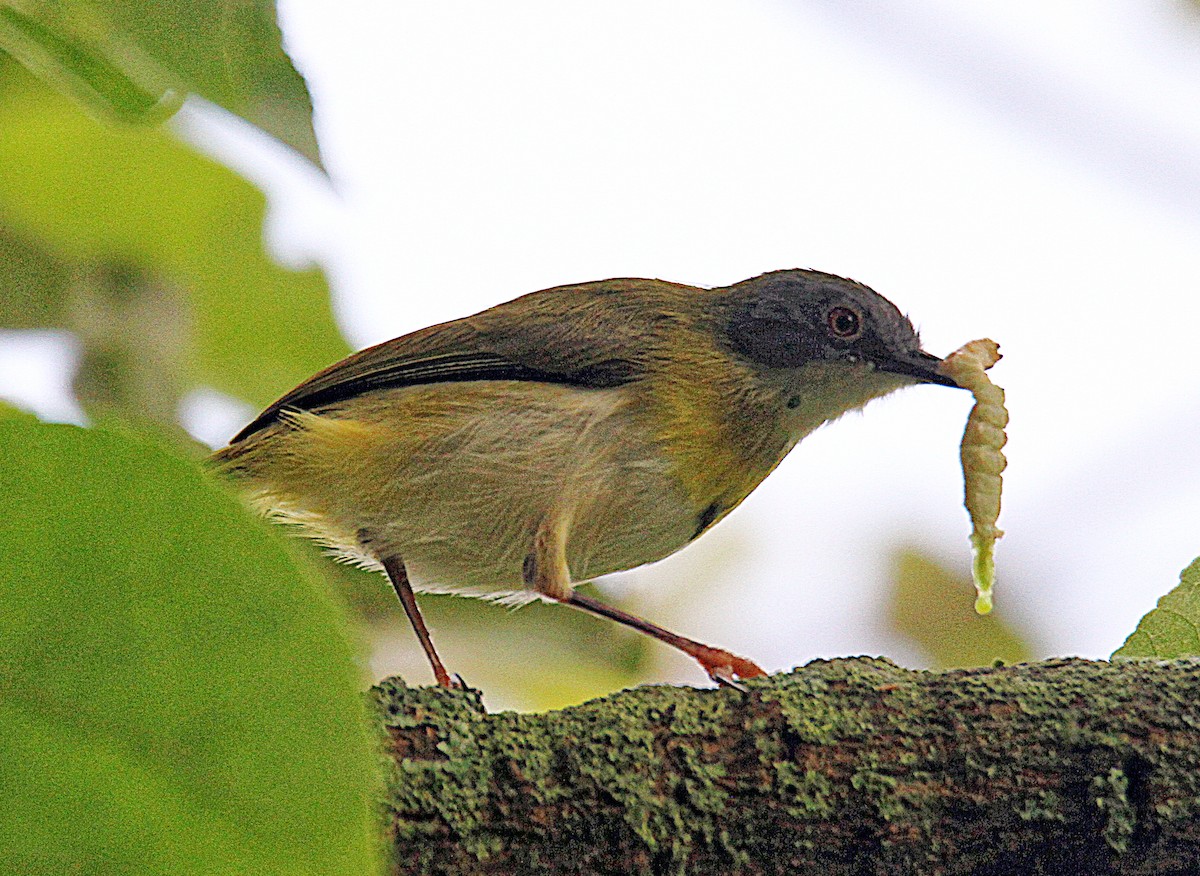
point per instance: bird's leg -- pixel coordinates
(397, 574)
(546, 569)
(546, 572)
(721, 666)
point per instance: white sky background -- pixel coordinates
(1024, 171)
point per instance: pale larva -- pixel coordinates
(982, 458)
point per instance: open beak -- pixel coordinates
(921, 365)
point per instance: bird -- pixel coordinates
(569, 433)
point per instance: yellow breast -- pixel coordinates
(720, 429)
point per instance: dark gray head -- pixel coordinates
(787, 319)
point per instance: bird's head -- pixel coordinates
(835, 342)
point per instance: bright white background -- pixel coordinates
(1025, 171)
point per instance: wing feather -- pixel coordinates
(581, 335)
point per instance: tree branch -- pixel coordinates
(843, 767)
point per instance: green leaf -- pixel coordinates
(1172, 629)
(177, 695)
(92, 196)
(136, 60)
(933, 608)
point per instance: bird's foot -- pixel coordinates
(727, 669)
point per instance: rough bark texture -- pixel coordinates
(843, 767)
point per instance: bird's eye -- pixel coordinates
(844, 323)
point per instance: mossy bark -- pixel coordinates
(842, 767)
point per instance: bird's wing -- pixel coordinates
(588, 336)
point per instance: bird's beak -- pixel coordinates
(921, 365)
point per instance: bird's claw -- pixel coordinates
(728, 670)
(724, 678)
(450, 683)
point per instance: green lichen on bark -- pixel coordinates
(849, 766)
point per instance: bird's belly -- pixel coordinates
(641, 517)
(480, 548)
(461, 507)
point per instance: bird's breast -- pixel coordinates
(723, 434)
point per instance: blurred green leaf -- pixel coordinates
(1172, 629)
(177, 695)
(9, 412)
(136, 60)
(132, 330)
(934, 609)
(68, 48)
(99, 198)
(33, 283)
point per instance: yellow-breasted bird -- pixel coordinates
(570, 433)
